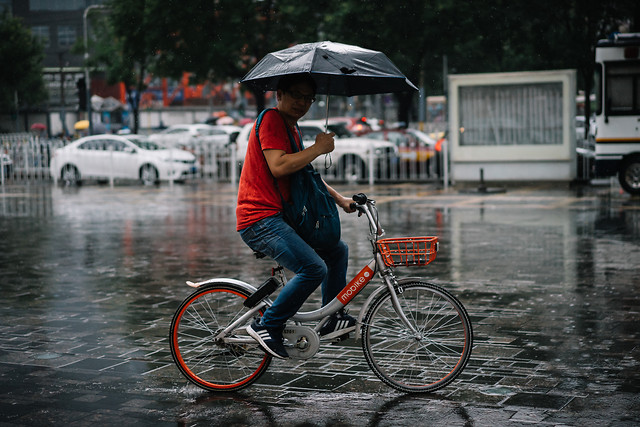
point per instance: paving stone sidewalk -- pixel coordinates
(90, 279)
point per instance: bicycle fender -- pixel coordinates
(374, 294)
(240, 283)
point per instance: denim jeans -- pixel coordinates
(275, 238)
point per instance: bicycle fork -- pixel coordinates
(394, 289)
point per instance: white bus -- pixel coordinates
(617, 130)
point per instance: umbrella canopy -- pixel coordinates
(338, 69)
(38, 127)
(81, 125)
(109, 103)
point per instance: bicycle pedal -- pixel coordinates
(338, 340)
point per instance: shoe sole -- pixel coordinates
(256, 336)
(338, 333)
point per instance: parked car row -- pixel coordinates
(350, 159)
(182, 150)
(413, 145)
(209, 143)
(192, 135)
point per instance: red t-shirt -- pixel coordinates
(258, 197)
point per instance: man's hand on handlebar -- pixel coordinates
(358, 200)
(346, 204)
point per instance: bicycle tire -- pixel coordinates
(210, 364)
(417, 363)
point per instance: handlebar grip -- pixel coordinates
(360, 198)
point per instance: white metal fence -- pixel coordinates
(26, 158)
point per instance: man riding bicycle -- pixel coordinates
(262, 226)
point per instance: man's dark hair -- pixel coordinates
(289, 80)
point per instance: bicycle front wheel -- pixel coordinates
(421, 361)
(225, 364)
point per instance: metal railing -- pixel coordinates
(26, 158)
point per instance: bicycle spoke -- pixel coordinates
(205, 358)
(423, 360)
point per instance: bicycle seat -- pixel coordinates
(258, 254)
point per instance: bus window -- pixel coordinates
(623, 88)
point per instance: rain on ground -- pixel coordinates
(91, 276)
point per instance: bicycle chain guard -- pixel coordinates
(303, 341)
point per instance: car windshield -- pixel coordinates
(309, 131)
(376, 135)
(398, 138)
(422, 137)
(340, 129)
(145, 144)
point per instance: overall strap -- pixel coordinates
(294, 146)
(292, 141)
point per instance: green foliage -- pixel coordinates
(21, 73)
(223, 39)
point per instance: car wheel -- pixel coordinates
(70, 176)
(629, 175)
(148, 175)
(352, 168)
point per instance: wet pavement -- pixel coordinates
(90, 279)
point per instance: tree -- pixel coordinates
(124, 47)
(213, 40)
(566, 37)
(223, 39)
(21, 81)
(414, 34)
(482, 35)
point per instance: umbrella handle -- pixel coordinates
(326, 123)
(326, 130)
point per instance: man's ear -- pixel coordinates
(278, 95)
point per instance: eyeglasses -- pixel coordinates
(310, 99)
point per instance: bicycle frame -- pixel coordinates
(419, 351)
(348, 293)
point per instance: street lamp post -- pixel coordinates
(87, 79)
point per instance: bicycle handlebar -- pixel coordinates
(360, 198)
(366, 206)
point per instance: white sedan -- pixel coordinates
(109, 156)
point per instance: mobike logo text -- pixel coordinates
(358, 282)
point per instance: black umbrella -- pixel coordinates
(338, 69)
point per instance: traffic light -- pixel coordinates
(81, 84)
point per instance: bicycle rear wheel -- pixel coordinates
(216, 365)
(422, 362)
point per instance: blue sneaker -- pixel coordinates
(270, 339)
(338, 325)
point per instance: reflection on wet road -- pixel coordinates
(90, 278)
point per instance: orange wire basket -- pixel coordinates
(408, 251)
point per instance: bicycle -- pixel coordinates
(416, 336)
